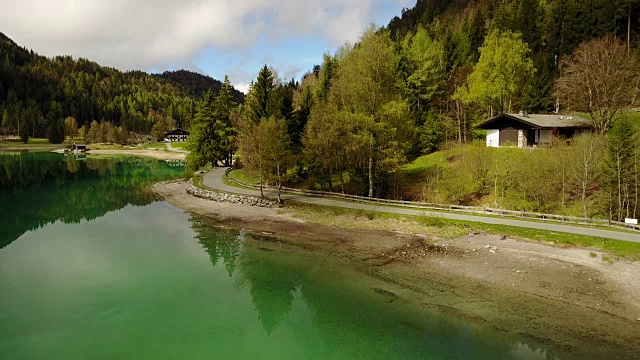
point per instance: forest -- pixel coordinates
(367, 119)
(37, 93)
(371, 117)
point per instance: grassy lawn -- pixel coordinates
(242, 175)
(32, 144)
(152, 146)
(179, 145)
(106, 147)
(436, 226)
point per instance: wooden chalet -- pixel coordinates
(532, 130)
(177, 135)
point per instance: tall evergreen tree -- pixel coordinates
(223, 128)
(263, 91)
(202, 140)
(56, 124)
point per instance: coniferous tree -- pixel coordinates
(24, 130)
(56, 124)
(202, 140)
(263, 91)
(224, 130)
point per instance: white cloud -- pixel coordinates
(244, 87)
(144, 34)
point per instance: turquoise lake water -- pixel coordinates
(92, 266)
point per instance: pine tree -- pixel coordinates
(223, 128)
(56, 124)
(24, 130)
(263, 91)
(202, 141)
(326, 74)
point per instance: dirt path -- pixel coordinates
(564, 297)
(213, 180)
(171, 148)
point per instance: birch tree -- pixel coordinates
(620, 169)
(265, 150)
(498, 79)
(363, 85)
(585, 170)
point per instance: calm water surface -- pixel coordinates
(93, 267)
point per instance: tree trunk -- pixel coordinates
(279, 184)
(330, 181)
(459, 121)
(371, 167)
(261, 190)
(635, 170)
(341, 181)
(495, 191)
(629, 32)
(563, 187)
(619, 176)
(584, 197)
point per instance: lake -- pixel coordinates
(93, 266)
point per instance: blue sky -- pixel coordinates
(291, 55)
(215, 37)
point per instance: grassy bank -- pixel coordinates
(242, 175)
(151, 146)
(450, 229)
(31, 145)
(179, 145)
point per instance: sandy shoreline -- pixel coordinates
(154, 154)
(563, 297)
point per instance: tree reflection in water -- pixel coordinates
(41, 188)
(342, 307)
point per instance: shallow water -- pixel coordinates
(93, 267)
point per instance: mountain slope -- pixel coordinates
(36, 92)
(195, 85)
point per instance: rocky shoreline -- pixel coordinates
(229, 198)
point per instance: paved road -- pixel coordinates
(171, 148)
(213, 180)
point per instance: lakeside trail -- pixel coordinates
(563, 297)
(214, 180)
(154, 154)
(171, 148)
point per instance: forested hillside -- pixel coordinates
(196, 85)
(422, 83)
(37, 93)
(552, 29)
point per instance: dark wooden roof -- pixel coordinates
(539, 121)
(177, 132)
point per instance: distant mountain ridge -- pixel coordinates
(37, 91)
(196, 85)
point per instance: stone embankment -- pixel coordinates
(229, 198)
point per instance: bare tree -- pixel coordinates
(602, 78)
(586, 159)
